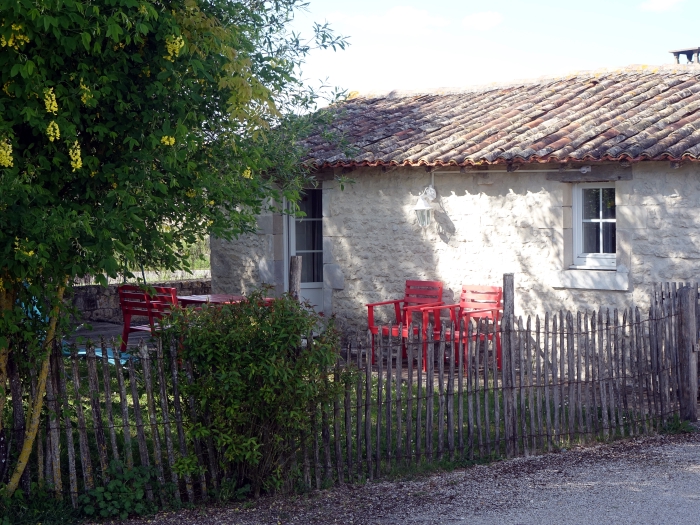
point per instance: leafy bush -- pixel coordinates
(41, 507)
(257, 376)
(676, 425)
(123, 496)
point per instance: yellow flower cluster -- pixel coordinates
(5, 154)
(86, 95)
(18, 248)
(167, 140)
(247, 174)
(16, 39)
(74, 152)
(191, 193)
(6, 89)
(173, 44)
(53, 131)
(50, 101)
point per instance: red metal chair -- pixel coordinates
(475, 302)
(417, 295)
(137, 302)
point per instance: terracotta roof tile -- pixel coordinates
(637, 113)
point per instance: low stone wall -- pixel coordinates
(99, 303)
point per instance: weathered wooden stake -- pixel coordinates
(368, 406)
(688, 356)
(85, 463)
(295, 276)
(508, 295)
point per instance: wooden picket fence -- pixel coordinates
(560, 380)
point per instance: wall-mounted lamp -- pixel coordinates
(423, 208)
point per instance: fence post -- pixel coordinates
(508, 295)
(687, 355)
(295, 276)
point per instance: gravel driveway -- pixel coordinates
(654, 480)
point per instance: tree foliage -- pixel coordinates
(129, 128)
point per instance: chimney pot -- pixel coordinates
(691, 53)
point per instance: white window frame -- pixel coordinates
(293, 242)
(597, 261)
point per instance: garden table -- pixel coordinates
(217, 298)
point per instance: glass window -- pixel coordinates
(309, 237)
(311, 267)
(310, 204)
(595, 225)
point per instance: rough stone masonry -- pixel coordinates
(485, 224)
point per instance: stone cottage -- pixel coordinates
(586, 187)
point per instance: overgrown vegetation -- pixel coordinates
(676, 425)
(129, 129)
(124, 495)
(260, 368)
(41, 507)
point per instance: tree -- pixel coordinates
(128, 128)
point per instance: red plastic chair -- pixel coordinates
(136, 302)
(475, 302)
(417, 295)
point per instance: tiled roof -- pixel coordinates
(638, 113)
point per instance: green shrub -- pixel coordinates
(257, 379)
(123, 496)
(676, 425)
(41, 507)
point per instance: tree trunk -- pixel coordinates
(38, 402)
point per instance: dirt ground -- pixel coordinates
(652, 480)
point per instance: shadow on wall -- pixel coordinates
(445, 227)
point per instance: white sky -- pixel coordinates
(414, 45)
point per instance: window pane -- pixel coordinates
(591, 237)
(309, 235)
(591, 203)
(609, 237)
(310, 203)
(608, 203)
(312, 267)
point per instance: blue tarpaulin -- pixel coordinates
(82, 352)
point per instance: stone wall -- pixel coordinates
(489, 224)
(241, 266)
(97, 303)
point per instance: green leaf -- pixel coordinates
(86, 40)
